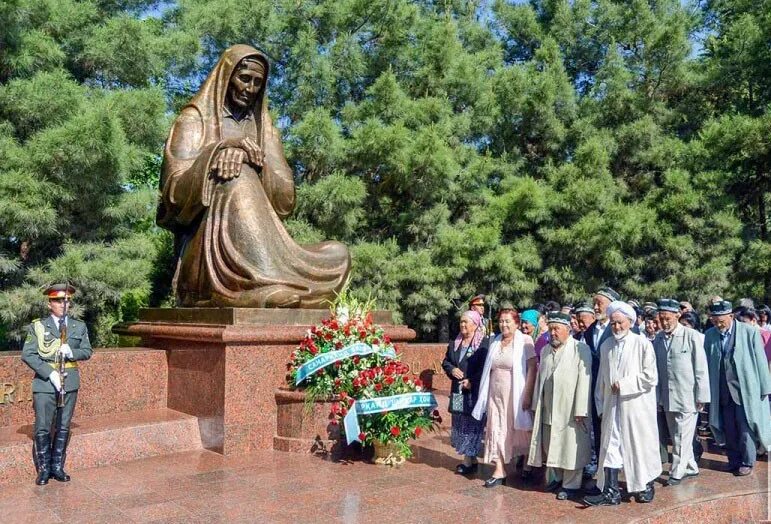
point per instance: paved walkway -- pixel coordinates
(202, 486)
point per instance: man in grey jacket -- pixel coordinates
(683, 386)
(42, 347)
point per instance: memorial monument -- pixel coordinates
(226, 187)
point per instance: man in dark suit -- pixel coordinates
(594, 336)
(42, 347)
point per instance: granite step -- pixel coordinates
(103, 440)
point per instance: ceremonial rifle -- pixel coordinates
(60, 359)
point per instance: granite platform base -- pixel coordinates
(224, 366)
(103, 440)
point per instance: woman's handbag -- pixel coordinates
(456, 401)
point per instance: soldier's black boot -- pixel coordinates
(43, 458)
(647, 495)
(59, 455)
(611, 494)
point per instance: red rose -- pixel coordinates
(375, 342)
(362, 436)
(362, 334)
(333, 325)
(418, 431)
(343, 395)
(347, 331)
(405, 379)
(395, 431)
(343, 410)
(339, 345)
(337, 382)
(378, 386)
(387, 339)
(389, 380)
(328, 336)
(418, 383)
(356, 359)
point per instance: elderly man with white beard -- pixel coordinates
(561, 403)
(683, 386)
(626, 401)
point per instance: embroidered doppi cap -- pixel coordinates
(669, 304)
(59, 291)
(478, 300)
(608, 293)
(584, 307)
(720, 307)
(650, 306)
(558, 318)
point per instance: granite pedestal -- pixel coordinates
(225, 364)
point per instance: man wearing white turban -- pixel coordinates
(625, 396)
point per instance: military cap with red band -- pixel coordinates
(59, 291)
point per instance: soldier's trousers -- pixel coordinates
(47, 415)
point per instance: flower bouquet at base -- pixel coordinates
(390, 421)
(351, 341)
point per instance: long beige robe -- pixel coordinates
(631, 362)
(569, 445)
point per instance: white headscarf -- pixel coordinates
(624, 308)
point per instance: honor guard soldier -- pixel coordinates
(54, 343)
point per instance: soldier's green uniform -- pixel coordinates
(39, 353)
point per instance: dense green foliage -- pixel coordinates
(532, 150)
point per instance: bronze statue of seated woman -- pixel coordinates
(226, 187)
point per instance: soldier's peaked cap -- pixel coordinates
(59, 291)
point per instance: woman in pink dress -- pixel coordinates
(505, 395)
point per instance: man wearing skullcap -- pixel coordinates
(598, 333)
(42, 348)
(625, 397)
(683, 386)
(561, 403)
(739, 385)
(584, 312)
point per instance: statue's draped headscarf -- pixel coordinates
(201, 123)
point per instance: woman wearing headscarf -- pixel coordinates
(463, 364)
(532, 325)
(226, 187)
(505, 395)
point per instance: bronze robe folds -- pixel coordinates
(232, 246)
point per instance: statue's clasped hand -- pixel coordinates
(228, 162)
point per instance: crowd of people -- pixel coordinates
(604, 386)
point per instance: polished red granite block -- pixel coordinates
(227, 374)
(112, 381)
(425, 360)
(305, 427)
(104, 439)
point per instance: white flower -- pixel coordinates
(342, 314)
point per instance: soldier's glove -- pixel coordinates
(56, 380)
(65, 351)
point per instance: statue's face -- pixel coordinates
(245, 84)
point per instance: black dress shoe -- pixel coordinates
(553, 486)
(493, 482)
(646, 496)
(564, 493)
(673, 481)
(462, 469)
